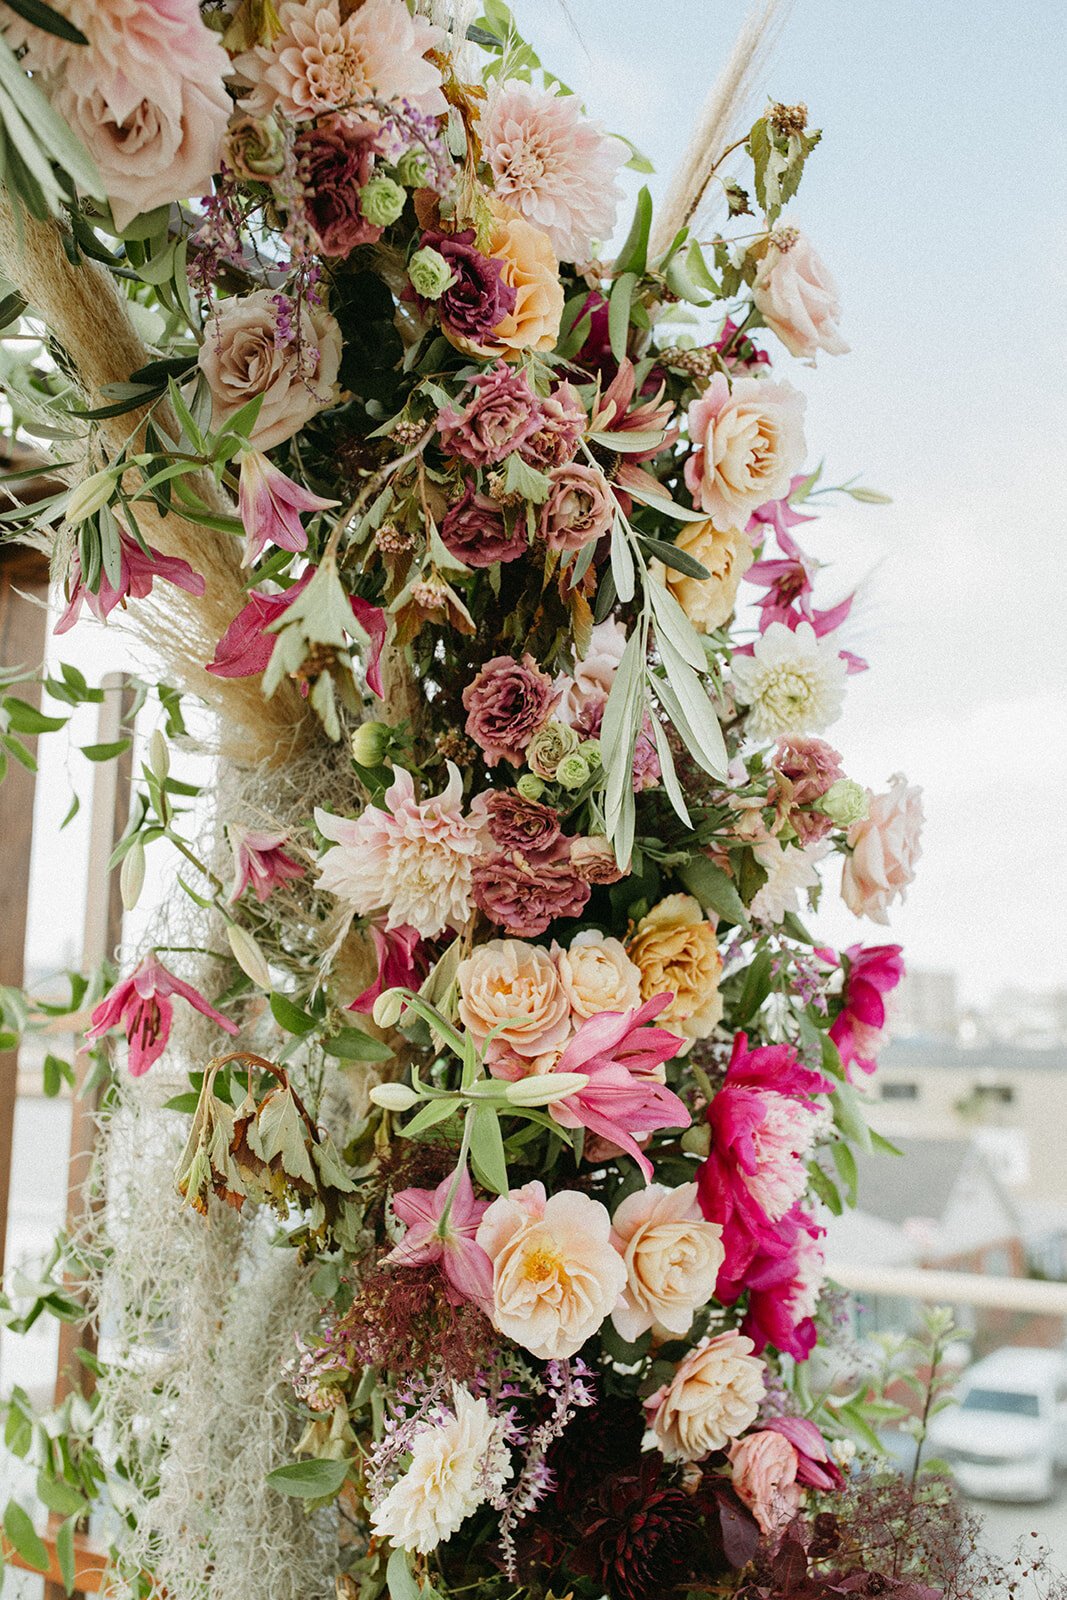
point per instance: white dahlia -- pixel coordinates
(793, 682)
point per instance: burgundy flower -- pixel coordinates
(523, 896)
(335, 161)
(811, 766)
(478, 299)
(640, 1541)
(506, 704)
(245, 648)
(502, 414)
(518, 824)
(475, 532)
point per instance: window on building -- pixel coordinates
(997, 1094)
(899, 1090)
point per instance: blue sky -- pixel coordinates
(938, 198)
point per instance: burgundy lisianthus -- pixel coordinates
(562, 424)
(518, 824)
(579, 508)
(811, 766)
(523, 896)
(335, 161)
(502, 414)
(478, 299)
(475, 532)
(506, 704)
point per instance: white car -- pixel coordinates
(1008, 1434)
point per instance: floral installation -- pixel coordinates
(538, 1066)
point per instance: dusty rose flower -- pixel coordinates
(509, 982)
(475, 531)
(797, 297)
(713, 1396)
(885, 847)
(579, 508)
(335, 161)
(530, 268)
(765, 1477)
(594, 674)
(478, 297)
(503, 412)
(747, 443)
(675, 948)
(523, 897)
(328, 56)
(553, 165)
(646, 767)
(672, 1258)
(562, 423)
(243, 356)
(727, 554)
(593, 859)
(597, 975)
(809, 767)
(556, 1275)
(506, 704)
(519, 824)
(146, 96)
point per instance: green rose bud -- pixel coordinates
(591, 751)
(573, 771)
(530, 786)
(413, 168)
(429, 272)
(369, 743)
(381, 201)
(845, 802)
(255, 147)
(548, 747)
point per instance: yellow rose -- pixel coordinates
(674, 947)
(727, 554)
(531, 269)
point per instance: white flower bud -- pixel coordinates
(131, 875)
(387, 1008)
(158, 756)
(543, 1088)
(393, 1096)
(248, 956)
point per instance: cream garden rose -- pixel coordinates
(672, 1257)
(748, 441)
(885, 847)
(674, 947)
(556, 1273)
(712, 1398)
(597, 975)
(514, 986)
(727, 555)
(797, 297)
(529, 267)
(242, 357)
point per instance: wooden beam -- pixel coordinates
(90, 1565)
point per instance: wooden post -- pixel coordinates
(22, 643)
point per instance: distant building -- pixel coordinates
(926, 1006)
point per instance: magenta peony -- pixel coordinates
(871, 974)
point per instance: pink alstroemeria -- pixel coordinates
(444, 1233)
(245, 648)
(873, 972)
(402, 963)
(137, 573)
(269, 505)
(259, 862)
(141, 1005)
(816, 1467)
(619, 1055)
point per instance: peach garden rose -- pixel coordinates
(748, 441)
(727, 555)
(531, 269)
(597, 975)
(513, 986)
(672, 1257)
(712, 1398)
(675, 948)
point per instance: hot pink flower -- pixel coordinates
(137, 573)
(269, 505)
(259, 862)
(451, 1242)
(782, 1281)
(141, 1005)
(245, 648)
(402, 963)
(619, 1054)
(857, 1031)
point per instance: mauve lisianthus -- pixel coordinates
(475, 531)
(797, 297)
(556, 1275)
(513, 987)
(328, 56)
(516, 823)
(502, 413)
(245, 353)
(579, 508)
(553, 165)
(675, 950)
(873, 972)
(561, 425)
(506, 704)
(712, 1398)
(792, 683)
(335, 159)
(478, 298)
(884, 849)
(748, 441)
(727, 555)
(524, 895)
(810, 768)
(646, 769)
(414, 859)
(672, 1255)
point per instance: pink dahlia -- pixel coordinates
(141, 1006)
(871, 974)
(553, 165)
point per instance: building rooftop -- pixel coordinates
(916, 1051)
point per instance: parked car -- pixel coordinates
(1008, 1434)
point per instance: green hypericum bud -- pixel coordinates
(429, 272)
(530, 786)
(845, 802)
(381, 201)
(573, 771)
(413, 168)
(91, 495)
(369, 743)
